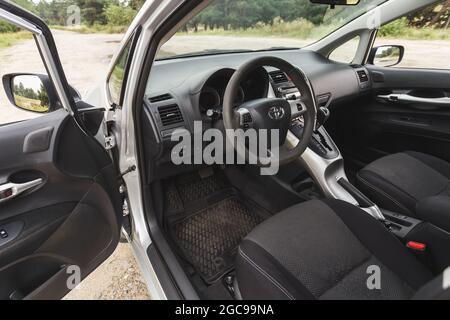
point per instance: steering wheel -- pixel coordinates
(270, 113)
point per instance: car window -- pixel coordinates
(117, 76)
(425, 35)
(346, 52)
(239, 26)
(19, 54)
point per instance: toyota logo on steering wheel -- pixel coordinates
(276, 113)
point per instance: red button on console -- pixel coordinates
(417, 246)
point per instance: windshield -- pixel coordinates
(257, 25)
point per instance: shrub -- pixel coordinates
(7, 27)
(301, 28)
(117, 15)
(9, 38)
(396, 28)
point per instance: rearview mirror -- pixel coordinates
(386, 56)
(337, 2)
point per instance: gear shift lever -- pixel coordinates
(323, 114)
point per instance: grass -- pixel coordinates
(400, 29)
(298, 29)
(407, 33)
(9, 39)
(305, 30)
(93, 29)
(30, 104)
(420, 34)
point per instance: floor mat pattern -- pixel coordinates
(210, 237)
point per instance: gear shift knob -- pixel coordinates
(322, 116)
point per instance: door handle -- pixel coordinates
(11, 190)
(406, 98)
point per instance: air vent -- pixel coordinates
(362, 75)
(160, 98)
(279, 77)
(323, 100)
(170, 115)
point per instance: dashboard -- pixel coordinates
(213, 91)
(182, 91)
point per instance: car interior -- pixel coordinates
(371, 188)
(363, 182)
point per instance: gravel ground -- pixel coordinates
(118, 278)
(85, 58)
(418, 53)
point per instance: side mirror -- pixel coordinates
(386, 56)
(31, 92)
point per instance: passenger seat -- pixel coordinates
(410, 183)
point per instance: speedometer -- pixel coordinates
(209, 99)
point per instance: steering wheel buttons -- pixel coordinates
(3, 234)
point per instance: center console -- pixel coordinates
(325, 164)
(322, 159)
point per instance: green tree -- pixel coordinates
(436, 16)
(54, 11)
(92, 11)
(243, 14)
(7, 27)
(43, 96)
(119, 15)
(26, 4)
(136, 4)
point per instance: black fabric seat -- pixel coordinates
(410, 183)
(324, 250)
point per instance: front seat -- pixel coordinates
(411, 183)
(329, 250)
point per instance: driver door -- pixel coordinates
(60, 208)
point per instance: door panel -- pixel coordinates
(405, 111)
(409, 111)
(402, 78)
(71, 218)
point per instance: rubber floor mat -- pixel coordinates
(210, 237)
(192, 189)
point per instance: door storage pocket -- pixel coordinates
(24, 276)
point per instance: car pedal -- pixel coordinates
(228, 281)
